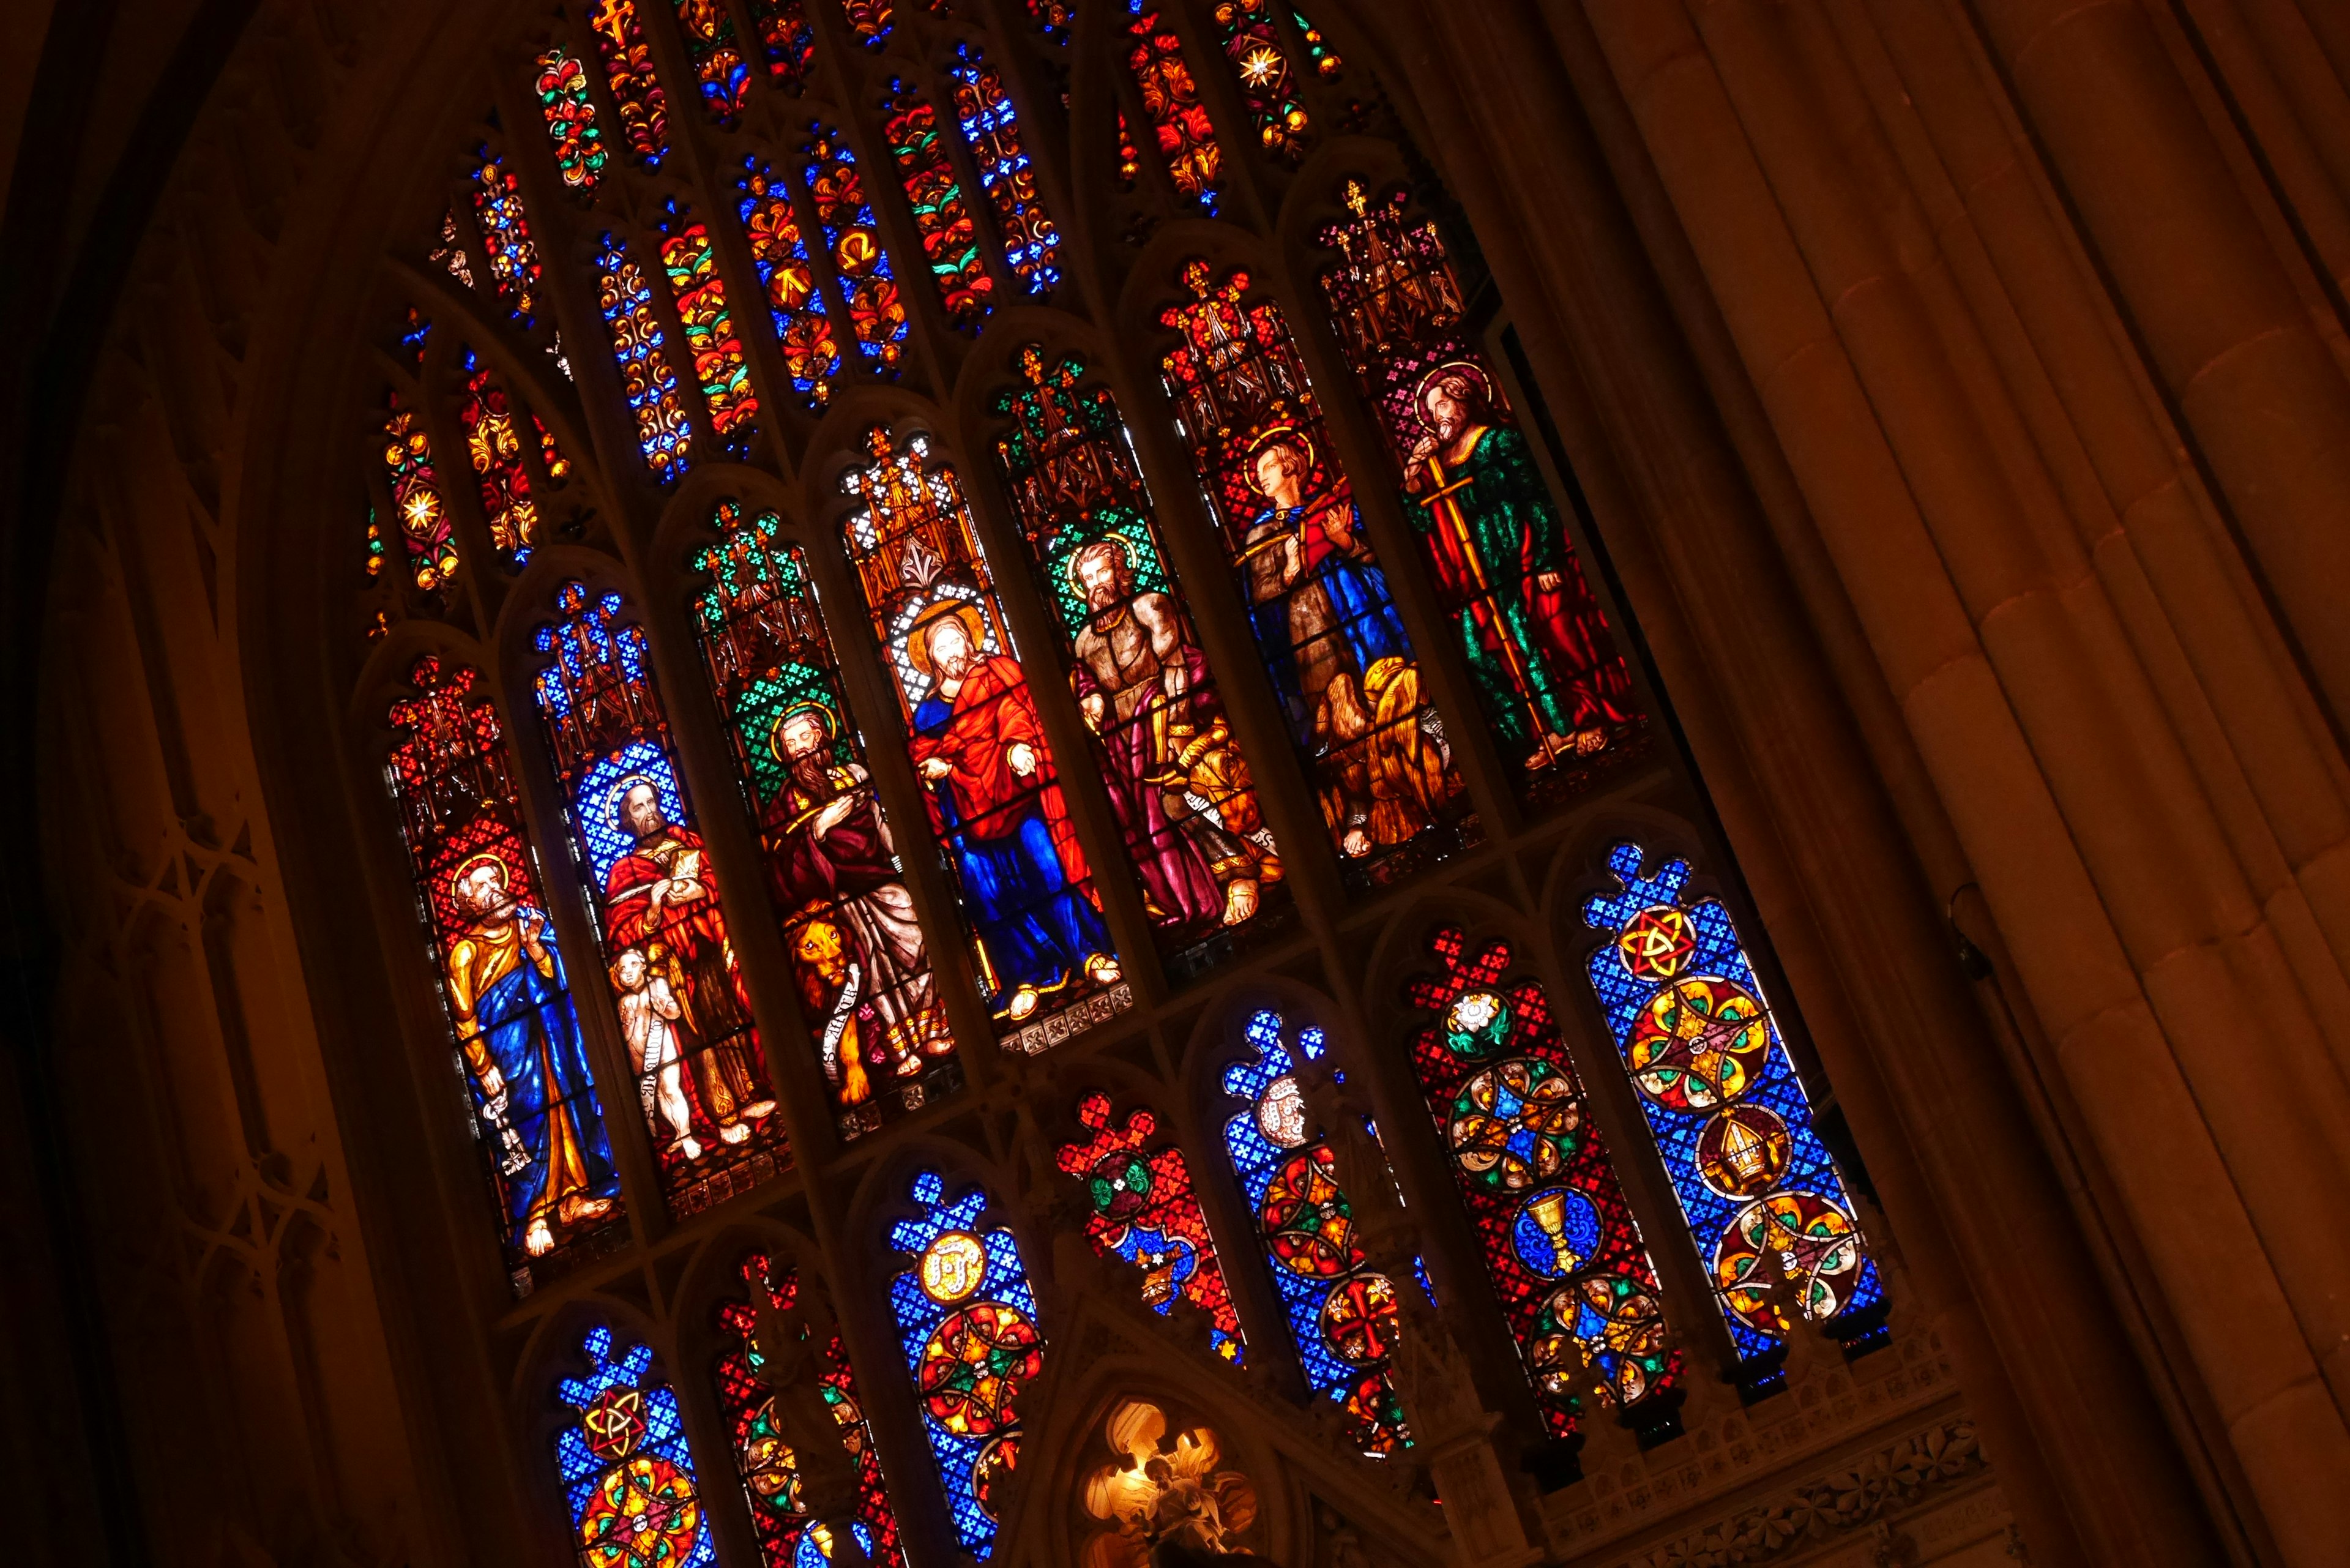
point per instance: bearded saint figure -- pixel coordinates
(1324, 621)
(864, 978)
(520, 1039)
(980, 749)
(662, 897)
(1182, 796)
(1535, 640)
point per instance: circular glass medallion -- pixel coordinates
(1743, 1151)
(1657, 943)
(1698, 1043)
(975, 1363)
(1477, 1024)
(1281, 1113)
(1556, 1233)
(1358, 1320)
(952, 1266)
(1513, 1124)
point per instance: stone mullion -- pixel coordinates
(569, 276)
(695, 161)
(1076, 766)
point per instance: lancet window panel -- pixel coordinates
(626, 1468)
(641, 350)
(1557, 1239)
(1145, 1211)
(1319, 604)
(493, 445)
(1343, 1317)
(787, 41)
(1044, 957)
(967, 1320)
(675, 979)
(943, 215)
(779, 250)
(690, 263)
(1555, 689)
(866, 283)
(860, 961)
(537, 1116)
(990, 128)
(420, 509)
(794, 1494)
(572, 126)
(628, 62)
(1183, 796)
(720, 68)
(1174, 119)
(1766, 1205)
(504, 227)
(1261, 67)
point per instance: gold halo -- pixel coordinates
(1287, 435)
(1467, 369)
(792, 710)
(1125, 548)
(486, 858)
(917, 651)
(617, 796)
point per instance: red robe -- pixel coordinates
(991, 713)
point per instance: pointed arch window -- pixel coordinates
(858, 955)
(626, 1469)
(1261, 63)
(941, 216)
(803, 330)
(506, 235)
(967, 1319)
(991, 125)
(1325, 622)
(773, 1476)
(1145, 1211)
(1761, 1194)
(868, 287)
(512, 1021)
(1183, 796)
(717, 57)
(416, 501)
(563, 99)
(683, 1007)
(641, 348)
(717, 354)
(1171, 107)
(494, 444)
(629, 71)
(1558, 1241)
(1046, 964)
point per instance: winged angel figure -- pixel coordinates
(1167, 1505)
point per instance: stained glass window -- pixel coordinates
(550, 455)
(1054, 18)
(638, 347)
(772, 1481)
(868, 288)
(942, 218)
(701, 1080)
(1129, 157)
(629, 68)
(1762, 1196)
(1319, 604)
(700, 296)
(376, 552)
(858, 951)
(449, 253)
(1560, 1245)
(803, 330)
(1342, 1313)
(1170, 102)
(968, 1322)
(495, 447)
(416, 499)
(626, 1471)
(1245, 29)
(1326, 63)
(870, 19)
(1032, 244)
(519, 1050)
(1553, 686)
(1145, 1211)
(506, 235)
(1185, 803)
(786, 40)
(710, 43)
(414, 335)
(579, 154)
(1046, 964)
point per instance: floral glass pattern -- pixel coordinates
(536, 1114)
(506, 235)
(870, 20)
(579, 151)
(1145, 1211)
(789, 1536)
(786, 40)
(717, 56)
(717, 354)
(1562, 1250)
(1342, 1313)
(1184, 800)
(625, 1469)
(942, 217)
(968, 1322)
(1045, 964)
(1761, 1195)
(494, 446)
(449, 253)
(1260, 63)
(858, 956)
(1548, 676)
(868, 289)
(778, 249)
(416, 500)
(1324, 620)
(1171, 107)
(1032, 244)
(639, 347)
(684, 1011)
(629, 71)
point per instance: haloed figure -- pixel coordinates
(521, 1043)
(1184, 802)
(1536, 644)
(978, 748)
